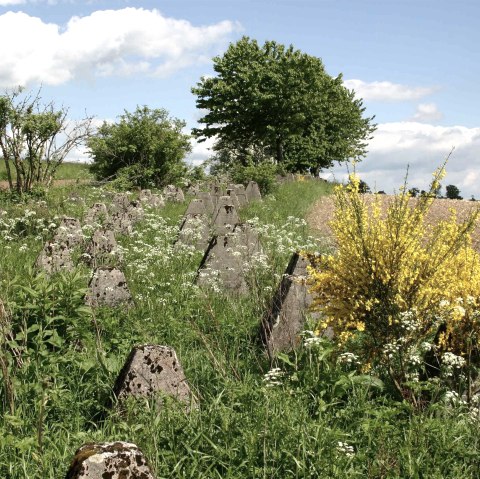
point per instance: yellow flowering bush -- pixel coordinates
(393, 288)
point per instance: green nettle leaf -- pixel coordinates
(280, 101)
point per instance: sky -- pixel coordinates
(416, 64)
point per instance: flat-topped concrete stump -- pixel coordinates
(55, 257)
(152, 370)
(108, 287)
(109, 460)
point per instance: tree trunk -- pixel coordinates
(279, 151)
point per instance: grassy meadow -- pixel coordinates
(310, 418)
(66, 171)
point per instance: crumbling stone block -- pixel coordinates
(108, 287)
(284, 322)
(152, 370)
(135, 212)
(97, 215)
(102, 249)
(109, 460)
(55, 257)
(253, 191)
(69, 232)
(120, 202)
(195, 231)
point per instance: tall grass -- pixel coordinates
(321, 421)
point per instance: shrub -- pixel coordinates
(397, 288)
(263, 174)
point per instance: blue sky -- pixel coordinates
(415, 63)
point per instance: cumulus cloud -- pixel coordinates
(427, 112)
(105, 43)
(7, 3)
(421, 147)
(200, 151)
(387, 91)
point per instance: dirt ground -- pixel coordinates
(322, 212)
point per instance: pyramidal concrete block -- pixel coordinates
(284, 322)
(55, 257)
(253, 191)
(108, 287)
(152, 370)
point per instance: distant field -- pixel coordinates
(322, 213)
(66, 171)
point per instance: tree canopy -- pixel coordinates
(35, 138)
(281, 102)
(147, 146)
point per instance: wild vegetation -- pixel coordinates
(310, 414)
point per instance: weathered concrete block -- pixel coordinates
(108, 287)
(120, 222)
(120, 203)
(55, 257)
(97, 215)
(207, 201)
(102, 249)
(173, 193)
(253, 191)
(152, 370)
(69, 232)
(135, 212)
(233, 196)
(222, 266)
(109, 460)
(196, 207)
(195, 231)
(284, 322)
(241, 195)
(153, 200)
(226, 217)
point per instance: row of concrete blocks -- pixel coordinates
(155, 371)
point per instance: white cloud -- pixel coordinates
(107, 42)
(200, 151)
(423, 148)
(387, 91)
(427, 112)
(6, 3)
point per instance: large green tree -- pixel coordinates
(279, 100)
(147, 147)
(35, 138)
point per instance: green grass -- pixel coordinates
(66, 171)
(242, 428)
